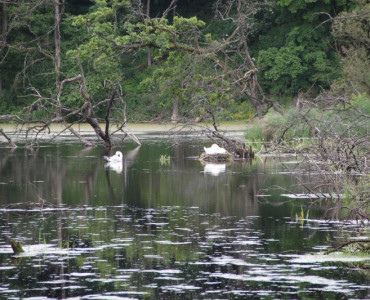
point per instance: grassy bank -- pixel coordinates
(313, 120)
(333, 138)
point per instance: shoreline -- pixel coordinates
(57, 131)
(11, 128)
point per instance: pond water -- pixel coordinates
(165, 229)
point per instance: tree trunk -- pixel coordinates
(175, 112)
(148, 16)
(87, 111)
(57, 42)
(4, 23)
(3, 30)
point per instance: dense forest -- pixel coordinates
(178, 60)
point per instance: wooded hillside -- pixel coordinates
(171, 60)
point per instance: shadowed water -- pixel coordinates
(166, 229)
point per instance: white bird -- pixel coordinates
(214, 149)
(116, 158)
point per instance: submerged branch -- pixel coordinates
(367, 241)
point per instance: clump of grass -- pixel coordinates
(254, 132)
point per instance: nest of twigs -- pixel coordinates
(216, 157)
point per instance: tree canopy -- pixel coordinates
(177, 59)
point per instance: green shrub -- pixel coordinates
(235, 111)
(362, 103)
(254, 133)
(276, 126)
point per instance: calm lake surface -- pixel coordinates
(177, 229)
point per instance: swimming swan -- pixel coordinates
(116, 158)
(214, 149)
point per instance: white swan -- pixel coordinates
(214, 149)
(116, 158)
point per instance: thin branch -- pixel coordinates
(346, 244)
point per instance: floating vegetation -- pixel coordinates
(165, 159)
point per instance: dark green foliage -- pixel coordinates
(293, 47)
(352, 34)
(27, 54)
(296, 50)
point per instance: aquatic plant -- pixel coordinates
(165, 159)
(302, 217)
(16, 246)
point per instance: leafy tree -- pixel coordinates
(27, 50)
(95, 56)
(351, 31)
(296, 50)
(35, 35)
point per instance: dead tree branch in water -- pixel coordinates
(336, 151)
(83, 114)
(364, 247)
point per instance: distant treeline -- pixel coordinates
(180, 59)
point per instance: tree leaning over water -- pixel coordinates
(40, 43)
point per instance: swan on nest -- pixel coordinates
(214, 150)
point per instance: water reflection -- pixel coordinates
(114, 166)
(164, 253)
(157, 231)
(214, 169)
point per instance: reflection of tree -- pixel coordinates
(129, 159)
(4, 159)
(91, 177)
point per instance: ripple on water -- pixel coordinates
(189, 254)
